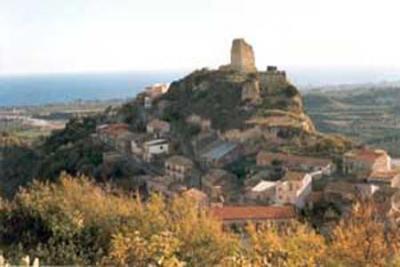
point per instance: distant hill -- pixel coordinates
(367, 115)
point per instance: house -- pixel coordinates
(263, 192)
(220, 154)
(203, 124)
(203, 140)
(155, 148)
(178, 167)
(137, 144)
(156, 90)
(218, 184)
(200, 198)
(293, 188)
(313, 198)
(316, 166)
(362, 162)
(147, 102)
(340, 192)
(111, 157)
(388, 178)
(241, 215)
(164, 185)
(158, 127)
(116, 135)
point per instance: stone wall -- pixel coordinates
(273, 78)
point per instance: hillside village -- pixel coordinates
(238, 141)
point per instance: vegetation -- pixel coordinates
(75, 221)
(365, 114)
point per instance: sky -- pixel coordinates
(46, 36)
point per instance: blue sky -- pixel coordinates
(41, 36)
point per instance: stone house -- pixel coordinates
(315, 166)
(203, 124)
(137, 144)
(262, 192)
(362, 162)
(111, 157)
(155, 148)
(240, 216)
(178, 167)
(340, 192)
(293, 188)
(163, 185)
(158, 128)
(388, 179)
(203, 140)
(116, 135)
(218, 184)
(220, 154)
(156, 90)
(200, 198)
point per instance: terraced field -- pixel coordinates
(367, 115)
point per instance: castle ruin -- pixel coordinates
(242, 56)
(273, 77)
(243, 60)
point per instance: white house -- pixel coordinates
(154, 148)
(293, 188)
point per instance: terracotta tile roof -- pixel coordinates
(245, 213)
(365, 154)
(158, 124)
(114, 129)
(292, 159)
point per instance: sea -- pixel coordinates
(33, 90)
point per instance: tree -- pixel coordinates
(363, 239)
(289, 245)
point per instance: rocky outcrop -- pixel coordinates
(242, 56)
(251, 91)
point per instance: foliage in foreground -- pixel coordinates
(75, 221)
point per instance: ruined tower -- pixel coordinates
(242, 56)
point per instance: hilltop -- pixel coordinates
(234, 107)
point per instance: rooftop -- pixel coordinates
(388, 175)
(268, 156)
(156, 142)
(114, 129)
(195, 194)
(215, 175)
(159, 124)
(365, 154)
(228, 213)
(263, 185)
(219, 151)
(179, 160)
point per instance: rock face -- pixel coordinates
(251, 91)
(242, 56)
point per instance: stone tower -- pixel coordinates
(242, 56)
